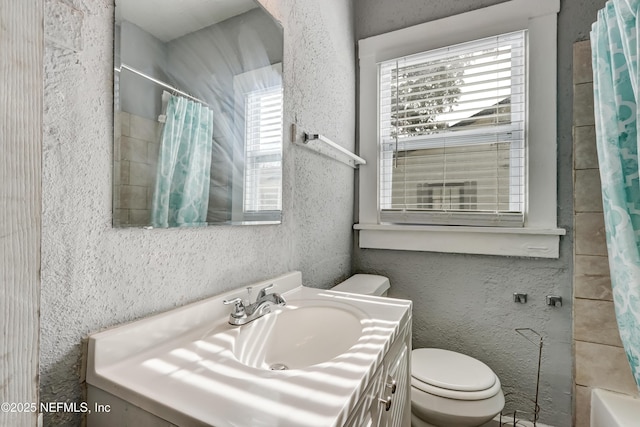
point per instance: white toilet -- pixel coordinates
(448, 389)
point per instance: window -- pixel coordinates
(454, 118)
(263, 150)
(257, 122)
(458, 124)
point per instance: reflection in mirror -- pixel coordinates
(198, 113)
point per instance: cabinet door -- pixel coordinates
(397, 388)
(398, 374)
(367, 413)
(389, 388)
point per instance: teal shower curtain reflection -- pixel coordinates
(614, 43)
(181, 195)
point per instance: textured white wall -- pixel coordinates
(94, 276)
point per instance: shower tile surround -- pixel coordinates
(600, 361)
(136, 146)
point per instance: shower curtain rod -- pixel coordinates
(159, 82)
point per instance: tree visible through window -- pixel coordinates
(422, 92)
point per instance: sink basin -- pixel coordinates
(298, 337)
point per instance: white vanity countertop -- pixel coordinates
(179, 365)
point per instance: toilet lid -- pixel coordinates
(450, 370)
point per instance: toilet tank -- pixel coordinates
(366, 284)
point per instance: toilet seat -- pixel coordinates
(452, 375)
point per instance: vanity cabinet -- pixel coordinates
(189, 367)
(387, 400)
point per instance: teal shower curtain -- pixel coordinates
(181, 195)
(614, 42)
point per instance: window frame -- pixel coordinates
(269, 76)
(540, 235)
(512, 217)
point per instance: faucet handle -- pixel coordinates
(249, 292)
(238, 310)
(263, 291)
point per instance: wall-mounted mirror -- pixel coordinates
(198, 113)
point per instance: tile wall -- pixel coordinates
(136, 159)
(600, 361)
(220, 189)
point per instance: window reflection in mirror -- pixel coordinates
(198, 114)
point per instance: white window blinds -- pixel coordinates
(263, 150)
(452, 134)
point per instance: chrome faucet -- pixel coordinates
(244, 311)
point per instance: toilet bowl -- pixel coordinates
(452, 389)
(448, 389)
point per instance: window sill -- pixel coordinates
(523, 242)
